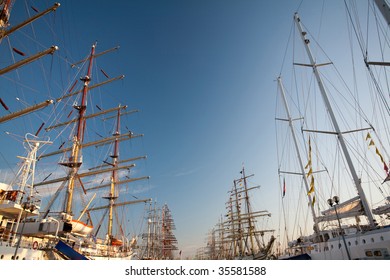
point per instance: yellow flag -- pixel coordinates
(310, 172)
(368, 136)
(371, 143)
(308, 164)
(312, 201)
(379, 154)
(311, 186)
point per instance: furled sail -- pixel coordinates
(347, 209)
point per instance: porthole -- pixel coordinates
(372, 240)
(382, 238)
(377, 253)
(349, 243)
(364, 241)
(369, 253)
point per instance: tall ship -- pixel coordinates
(69, 199)
(240, 234)
(336, 179)
(159, 241)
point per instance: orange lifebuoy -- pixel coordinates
(35, 245)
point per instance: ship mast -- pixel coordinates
(75, 160)
(114, 178)
(27, 173)
(239, 234)
(231, 221)
(290, 123)
(332, 116)
(250, 222)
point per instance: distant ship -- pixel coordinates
(238, 236)
(159, 241)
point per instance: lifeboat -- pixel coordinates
(81, 228)
(116, 242)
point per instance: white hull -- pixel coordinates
(7, 252)
(371, 245)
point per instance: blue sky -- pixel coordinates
(202, 73)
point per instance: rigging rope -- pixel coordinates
(359, 36)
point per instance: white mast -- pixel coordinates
(29, 205)
(338, 132)
(290, 123)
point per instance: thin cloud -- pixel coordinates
(187, 172)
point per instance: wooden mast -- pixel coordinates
(75, 159)
(232, 220)
(250, 222)
(114, 178)
(238, 211)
